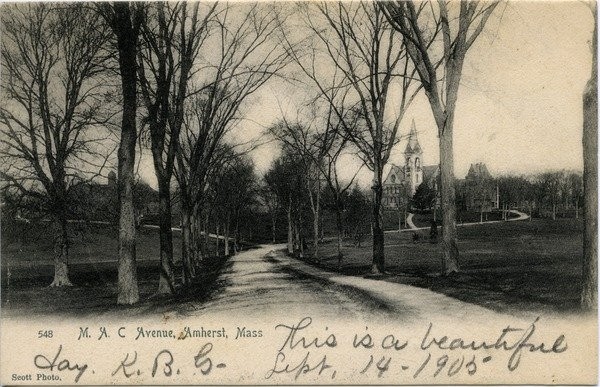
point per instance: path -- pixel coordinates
(413, 227)
(265, 282)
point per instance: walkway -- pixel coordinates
(413, 227)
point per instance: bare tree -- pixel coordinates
(589, 289)
(551, 185)
(285, 179)
(244, 56)
(302, 141)
(319, 143)
(125, 20)
(366, 65)
(171, 40)
(460, 23)
(53, 102)
(575, 184)
(234, 191)
(268, 199)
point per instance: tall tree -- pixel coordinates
(171, 41)
(575, 181)
(460, 23)
(234, 192)
(53, 97)
(310, 149)
(425, 196)
(125, 20)
(589, 289)
(366, 59)
(319, 143)
(268, 198)
(550, 185)
(284, 178)
(246, 56)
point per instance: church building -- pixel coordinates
(402, 182)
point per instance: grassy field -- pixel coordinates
(27, 270)
(511, 267)
(424, 219)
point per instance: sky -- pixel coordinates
(519, 107)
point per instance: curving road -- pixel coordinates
(264, 282)
(413, 227)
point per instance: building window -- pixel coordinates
(393, 178)
(418, 163)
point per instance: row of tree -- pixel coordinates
(544, 193)
(367, 62)
(177, 75)
(538, 194)
(299, 189)
(357, 56)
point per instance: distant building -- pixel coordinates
(98, 201)
(478, 191)
(402, 182)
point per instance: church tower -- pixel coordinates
(413, 155)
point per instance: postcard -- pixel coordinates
(312, 193)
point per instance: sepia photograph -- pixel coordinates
(373, 192)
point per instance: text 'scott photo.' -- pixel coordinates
(312, 193)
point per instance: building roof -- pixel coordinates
(413, 146)
(430, 171)
(478, 171)
(396, 171)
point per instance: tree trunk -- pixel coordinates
(450, 254)
(314, 206)
(196, 244)
(576, 208)
(218, 253)
(300, 238)
(553, 211)
(290, 238)
(316, 235)
(127, 46)
(186, 248)
(237, 239)
(205, 253)
(378, 264)
(273, 225)
(61, 266)
(399, 219)
(340, 230)
(589, 290)
(193, 247)
(166, 282)
(226, 235)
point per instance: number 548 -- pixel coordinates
(46, 334)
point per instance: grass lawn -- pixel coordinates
(424, 219)
(27, 270)
(509, 267)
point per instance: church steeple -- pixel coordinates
(413, 146)
(413, 155)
